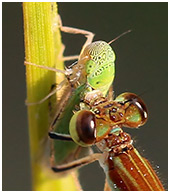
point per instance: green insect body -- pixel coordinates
(95, 70)
(62, 126)
(99, 65)
(98, 58)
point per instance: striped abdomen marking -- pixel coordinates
(130, 171)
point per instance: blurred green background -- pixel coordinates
(141, 67)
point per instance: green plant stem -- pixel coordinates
(42, 46)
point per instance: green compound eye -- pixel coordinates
(135, 110)
(83, 128)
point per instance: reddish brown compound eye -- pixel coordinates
(135, 110)
(83, 128)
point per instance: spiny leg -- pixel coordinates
(89, 35)
(45, 67)
(66, 72)
(77, 163)
(67, 137)
(66, 58)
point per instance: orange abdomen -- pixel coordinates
(129, 171)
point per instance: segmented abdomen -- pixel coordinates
(129, 171)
